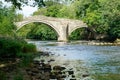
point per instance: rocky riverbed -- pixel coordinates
(54, 67)
(46, 66)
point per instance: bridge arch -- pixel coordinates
(43, 22)
(75, 28)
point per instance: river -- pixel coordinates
(95, 62)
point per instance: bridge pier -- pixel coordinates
(63, 36)
(62, 39)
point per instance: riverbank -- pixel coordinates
(87, 42)
(36, 70)
(14, 68)
(45, 66)
(98, 43)
(104, 43)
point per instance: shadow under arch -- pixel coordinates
(75, 28)
(78, 33)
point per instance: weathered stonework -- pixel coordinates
(63, 27)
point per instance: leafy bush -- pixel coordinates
(29, 48)
(10, 48)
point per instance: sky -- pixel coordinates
(26, 10)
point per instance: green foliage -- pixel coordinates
(99, 15)
(49, 3)
(10, 48)
(90, 12)
(39, 3)
(114, 30)
(38, 31)
(29, 48)
(18, 17)
(19, 3)
(53, 10)
(67, 12)
(78, 34)
(24, 30)
(41, 11)
(6, 21)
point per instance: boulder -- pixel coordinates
(58, 68)
(85, 75)
(47, 67)
(71, 72)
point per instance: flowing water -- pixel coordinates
(88, 61)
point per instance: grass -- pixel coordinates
(107, 77)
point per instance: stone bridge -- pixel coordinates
(63, 27)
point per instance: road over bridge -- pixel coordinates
(63, 27)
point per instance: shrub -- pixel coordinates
(10, 48)
(29, 48)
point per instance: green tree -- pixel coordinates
(37, 31)
(79, 34)
(18, 17)
(114, 30)
(19, 3)
(24, 30)
(40, 11)
(39, 3)
(67, 12)
(7, 21)
(42, 32)
(53, 10)
(99, 15)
